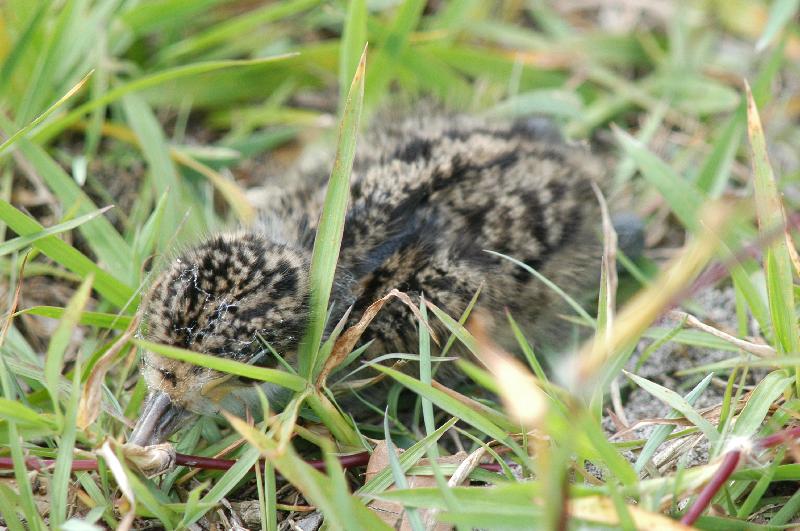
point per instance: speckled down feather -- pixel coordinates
(428, 198)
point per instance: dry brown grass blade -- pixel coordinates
(467, 401)
(347, 341)
(609, 259)
(115, 466)
(524, 400)
(758, 349)
(92, 394)
(394, 513)
(151, 460)
(602, 510)
(355, 385)
(608, 294)
(651, 302)
(15, 300)
(792, 252)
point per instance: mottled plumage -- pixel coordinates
(428, 198)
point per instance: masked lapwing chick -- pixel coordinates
(428, 198)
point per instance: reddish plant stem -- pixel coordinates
(206, 463)
(35, 463)
(729, 463)
(781, 437)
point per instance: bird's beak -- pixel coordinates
(161, 417)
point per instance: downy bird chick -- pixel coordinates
(428, 198)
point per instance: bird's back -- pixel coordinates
(431, 196)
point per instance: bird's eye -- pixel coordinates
(169, 375)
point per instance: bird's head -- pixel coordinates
(225, 298)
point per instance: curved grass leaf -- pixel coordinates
(354, 37)
(112, 289)
(61, 339)
(263, 374)
(383, 479)
(584, 315)
(39, 119)
(660, 433)
(781, 13)
(449, 404)
(341, 512)
(15, 411)
(48, 131)
(678, 403)
(331, 225)
(223, 32)
(758, 405)
(683, 197)
(770, 212)
(21, 242)
(99, 319)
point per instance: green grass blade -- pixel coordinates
(339, 489)
(25, 40)
(781, 13)
(146, 493)
(678, 403)
(583, 314)
(340, 426)
(660, 433)
(263, 374)
(331, 225)
(769, 209)
(761, 486)
(787, 512)
(43, 76)
(164, 15)
(112, 289)
(145, 241)
(161, 168)
(100, 234)
(66, 445)
(108, 321)
(399, 475)
(48, 131)
(39, 119)
(758, 405)
(619, 467)
(8, 501)
(21, 414)
(222, 486)
(383, 479)
(683, 197)
(425, 373)
(227, 30)
(449, 404)
(716, 169)
(341, 510)
(526, 348)
(455, 328)
(21, 242)
(354, 38)
(32, 517)
(61, 338)
(393, 43)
